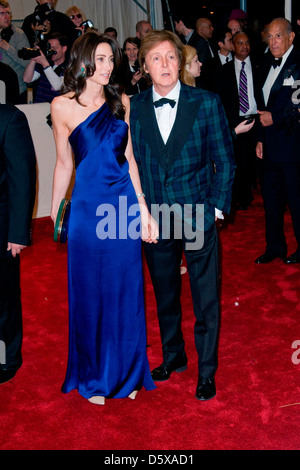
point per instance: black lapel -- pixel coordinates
(149, 126)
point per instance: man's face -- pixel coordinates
(205, 29)
(146, 27)
(5, 17)
(234, 26)
(179, 27)
(162, 64)
(228, 44)
(60, 50)
(279, 39)
(241, 45)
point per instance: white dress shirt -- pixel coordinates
(250, 89)
(273, 74)
(166, 115)
(223, 58)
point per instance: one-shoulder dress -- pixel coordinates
(107, 330)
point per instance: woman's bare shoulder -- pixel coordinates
(62, 102)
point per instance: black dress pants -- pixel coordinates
(11, 331)
(280, 187)
(163, 260)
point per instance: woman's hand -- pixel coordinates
(149, 226)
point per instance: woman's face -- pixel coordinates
(76, 17)
(194, 67)
(104, 61)
(131, 50)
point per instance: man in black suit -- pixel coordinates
(237, 110)
(279, 142)
(17, 193)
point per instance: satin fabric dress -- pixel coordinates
(107, 331)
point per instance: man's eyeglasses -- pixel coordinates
(7, 13)
(72, 17)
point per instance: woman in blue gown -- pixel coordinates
(109, 216)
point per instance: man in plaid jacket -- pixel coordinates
(184, 153)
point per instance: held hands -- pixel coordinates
(15, 248)
(149, 226)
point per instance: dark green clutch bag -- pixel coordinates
(62, 221)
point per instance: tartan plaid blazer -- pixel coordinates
(196, 165)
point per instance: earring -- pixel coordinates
(82, 71)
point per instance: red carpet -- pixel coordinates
(258, 386)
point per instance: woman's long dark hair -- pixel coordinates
(83, 55)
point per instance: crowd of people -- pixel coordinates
(197, 118)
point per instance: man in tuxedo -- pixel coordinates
(183, 149)
(17, 192)
(279, 141)
(240, 104)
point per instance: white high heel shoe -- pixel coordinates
(133, 395)
(97, 400)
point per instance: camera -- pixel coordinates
(43, 12)
(86, 25)
(6, 33)
(28, 53)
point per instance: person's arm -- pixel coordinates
(221, 151)
(29, 72)
(18, 41)
(149, 225)
(64, 157)
(20, 164)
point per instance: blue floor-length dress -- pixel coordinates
(107, 336)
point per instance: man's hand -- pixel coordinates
(15, 248)
(259, 149)
(41, 59)
(4, 44)
(265, 118)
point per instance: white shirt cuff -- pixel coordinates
(219, 214)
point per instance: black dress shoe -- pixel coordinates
(163, 372)
(206, 389)
(292, 259)
(265, 258)
(6, 375)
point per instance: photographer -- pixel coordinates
(12, 39)
(46, 20)
(48, 71)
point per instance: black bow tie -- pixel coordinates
(163, 101)
(276, 62)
